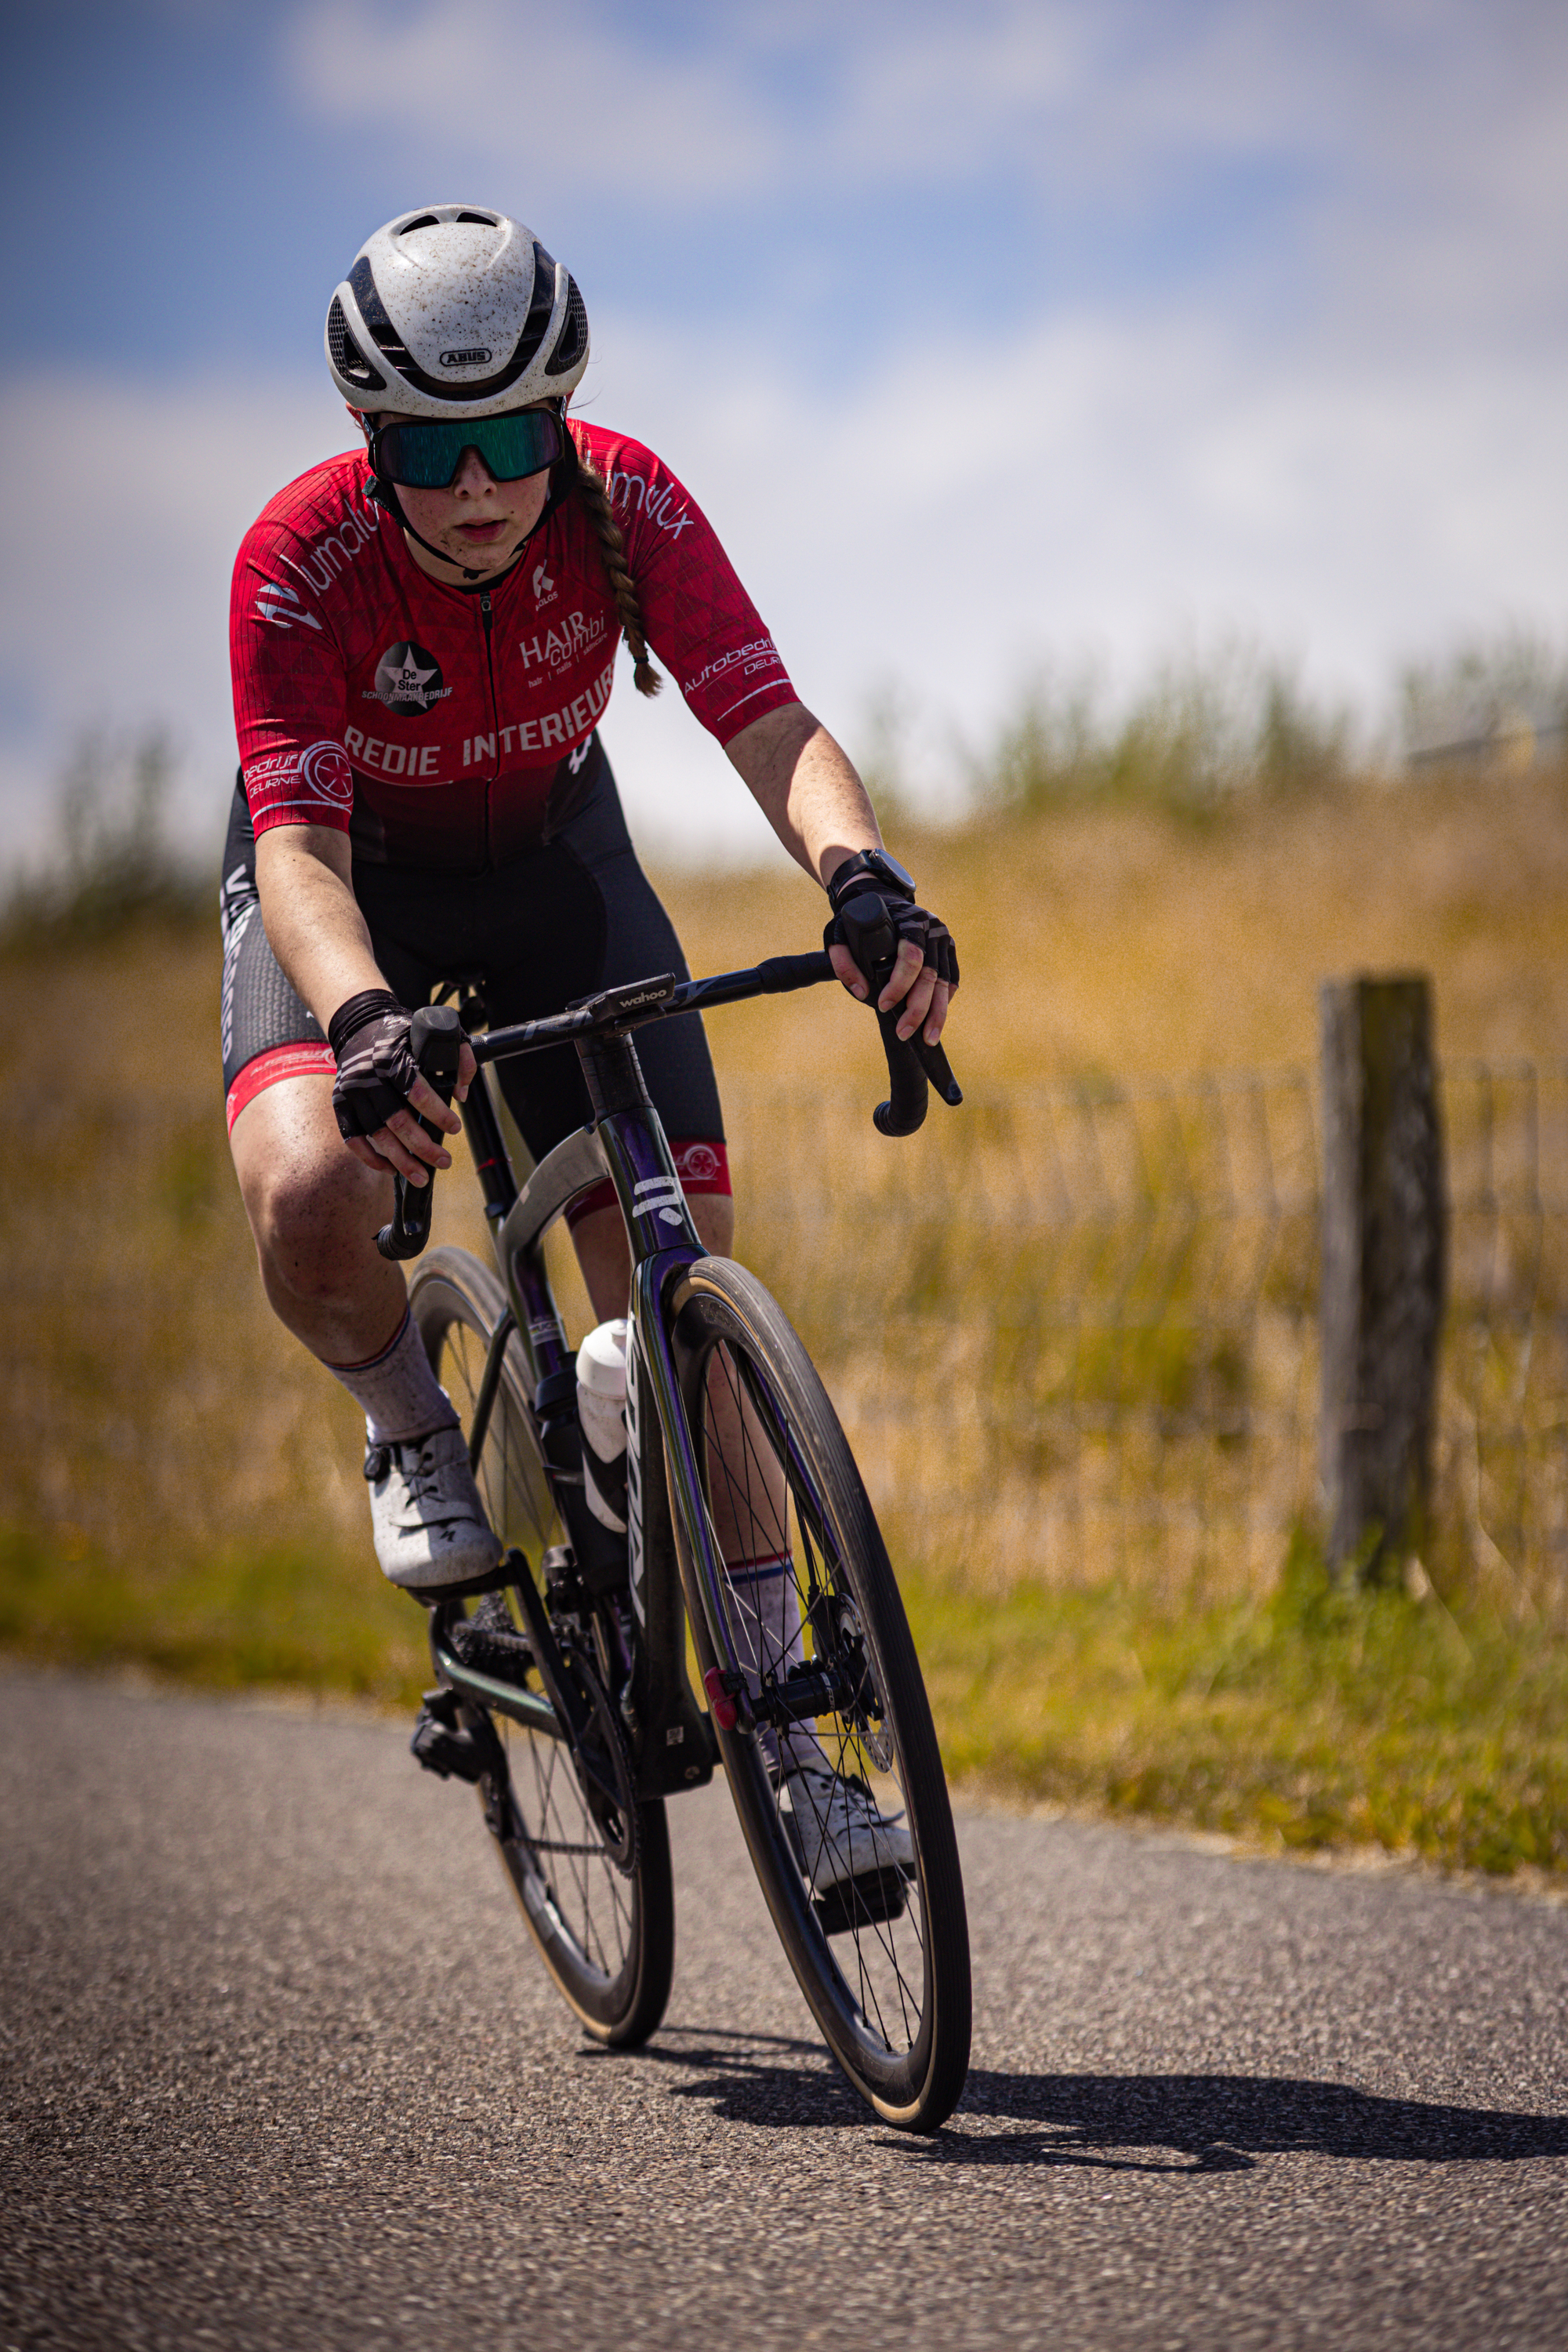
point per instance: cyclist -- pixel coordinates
(423, 636)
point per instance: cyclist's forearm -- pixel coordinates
(313, 923)
(806, 787)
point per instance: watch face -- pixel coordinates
(889, 869)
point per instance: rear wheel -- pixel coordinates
(872, 1917)
(591, 1877)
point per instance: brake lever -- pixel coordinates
(872, 940)
(436, 1042)
(938, 1069)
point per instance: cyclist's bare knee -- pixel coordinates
(314, 1210)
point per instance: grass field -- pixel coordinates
(180, 1483)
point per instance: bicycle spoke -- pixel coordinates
(589, 1866)
(760, 1481)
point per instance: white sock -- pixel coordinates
(766, 1618)
(396, 1391)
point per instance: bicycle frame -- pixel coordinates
(673, 1742)
(672, 1739)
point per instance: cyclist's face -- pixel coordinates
(476, 520)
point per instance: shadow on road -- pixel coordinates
(754, 2078)
(1178, 2124)
(1221, 2122)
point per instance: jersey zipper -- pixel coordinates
(487, 617)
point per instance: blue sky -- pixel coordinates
(990, 337)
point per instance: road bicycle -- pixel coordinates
(561, 1686)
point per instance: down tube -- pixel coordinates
(652, 1277)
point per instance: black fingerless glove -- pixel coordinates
(376, 1071)
(928, 931)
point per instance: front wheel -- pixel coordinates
(833, 1765)
(595, 1888)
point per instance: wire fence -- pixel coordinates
(1072, 1330)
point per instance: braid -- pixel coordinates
(612, 547)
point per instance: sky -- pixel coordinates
(992, 339)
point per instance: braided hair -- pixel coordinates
(596, 497)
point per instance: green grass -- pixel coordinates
(1317, 1718)
(1314, 1718)
(241, 1619)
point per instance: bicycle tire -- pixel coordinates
(605, 1936)
(900, 2031)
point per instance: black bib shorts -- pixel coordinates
(576, 915)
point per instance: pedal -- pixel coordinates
(864, 1902)
(442, 1744)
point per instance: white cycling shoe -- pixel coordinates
(431, 1533)
(841, 1832)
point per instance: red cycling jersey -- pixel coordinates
(435, 723)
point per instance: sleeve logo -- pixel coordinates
(282, 605)
(316, 777)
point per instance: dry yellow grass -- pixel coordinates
(1128, 941)
(178, 1481)
(153, 1406)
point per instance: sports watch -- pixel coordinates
(874, 866)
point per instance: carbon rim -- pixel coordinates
(869, 1935)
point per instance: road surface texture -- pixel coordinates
(281, 2069)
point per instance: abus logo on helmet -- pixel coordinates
(408, 680)
(475, 358)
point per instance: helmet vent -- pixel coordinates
(540, 308)
(573, 336)
(346, 356)
(552, 325)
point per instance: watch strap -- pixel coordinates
(868, 867)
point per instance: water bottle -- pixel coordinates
(602, 1411)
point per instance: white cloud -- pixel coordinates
(1122, 483)
(1450, 113)
(122, 505)
(466, 84)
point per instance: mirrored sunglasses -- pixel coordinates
(425, 453)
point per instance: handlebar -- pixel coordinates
(436, 1040)
(874, 943)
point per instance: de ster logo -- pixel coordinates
(408, 681)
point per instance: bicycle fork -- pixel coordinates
(672, 1738)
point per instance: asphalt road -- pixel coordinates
(280, 2069)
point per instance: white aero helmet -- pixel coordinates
(455, 311)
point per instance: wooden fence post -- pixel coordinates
(1385, 1257)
